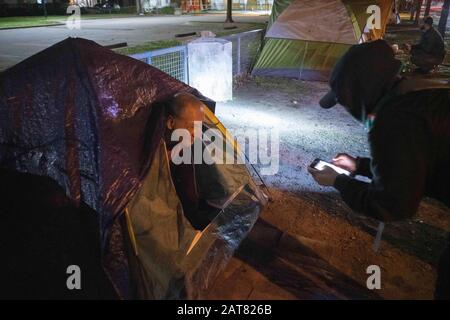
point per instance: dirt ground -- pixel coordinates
(307, 243)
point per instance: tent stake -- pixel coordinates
(269, 194)
(303, 61)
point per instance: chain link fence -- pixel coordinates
(174, 60)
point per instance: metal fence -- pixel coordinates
(245, 49)
(174, 60)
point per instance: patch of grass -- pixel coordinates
(35, 21)
(161, 44)
(12, 22)
(148, 46)
(166, 10)
(239, 28)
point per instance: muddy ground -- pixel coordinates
(307, 243)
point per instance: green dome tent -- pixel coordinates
(305, 38)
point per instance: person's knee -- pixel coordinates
(425, 63)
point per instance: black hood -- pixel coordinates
(361, 77)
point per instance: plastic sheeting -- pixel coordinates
(162, 233)
(174, 260)
(91, 120)
(211, 67)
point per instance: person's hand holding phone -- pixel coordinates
(325, 177)
(345, 161)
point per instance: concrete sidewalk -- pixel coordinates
(18, 44)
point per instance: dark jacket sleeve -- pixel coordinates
(431, 43)
(424, 44)
(416, 47)
(363, 167)
(399, 148)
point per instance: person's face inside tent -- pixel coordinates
(186, 113)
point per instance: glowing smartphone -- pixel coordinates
(319, 164)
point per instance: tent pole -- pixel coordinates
(303, 61)
(269, 194)
(131, 232)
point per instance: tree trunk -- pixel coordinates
(44, 2)
(444, 17)
(428, 8)
(401, 6)
(229, 9)
(418, 10)
(139, 7)
(411, 8)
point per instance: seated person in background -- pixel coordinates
(182, 113)
(430, 51)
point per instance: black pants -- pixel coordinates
(443, 281)
(426, 62)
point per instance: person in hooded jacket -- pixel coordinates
(409, 137)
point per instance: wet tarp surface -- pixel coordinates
(91, 120)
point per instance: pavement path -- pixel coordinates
(18, 44)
